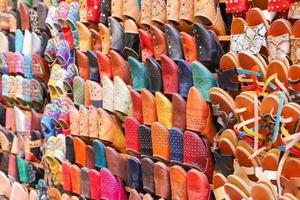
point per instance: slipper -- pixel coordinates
(149, 107)
(137, 108)
(18, 191)
(295, 43)
(75, 179)
(155, 75)
(24, 14)
(12, 171)
(160, 141)
(114, 160)
(158, 40)
(117, 9)
(146, 12)
(145, 141)
(11, 63)
(162, 180)
(132, 10)
(176, 145)
(197, 185)
(4, 41)
(90, 158)
(93, 65)
(60, 149)
(238, 8)
(4, 163)
(139, 74)
(3, 62)
(119, 67)
(22, 170)
(293, 83)
(74, 120)
(93, 10)
(134, 173)
(131, 38)
(159, 12)
(20, 120)
(105, 38)
(40, 68)
(10, 123)
(109, 185)
(42, 11)
(85, 37)
(163, 109)
(170, 73)
(78, 90)
(104, 65)
(131, 130)
(148, 175)
(175, 50)
(6, 185)
(27, 45)
(108, 92)
(178, 182)
(70, 154)
(146, 44)
(83, 65)
(83, 121)
(20, 39)
(173, 10)
(105, 11)
(85, 182)
(95, 180)
(122, 99)
(117, 35)
(100, 158)
(189, 47)
(195, 145)
(80, 151)
(96, 38)
(12, 16)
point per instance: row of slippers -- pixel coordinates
(280, 39)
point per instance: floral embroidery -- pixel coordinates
(294, 12)
(295, 50)
(278, 46)
(26, 90)
(5, 85)
(34, 21)
(146, 11)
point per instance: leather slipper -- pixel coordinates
(175, 50)
(164, 109)
(139, 74)
(159, 12)
(148, 175)
(176, 145)
(99, 153)
(132, 10)
(147, 50)
(162, 180)
(178, 182)
(155, 75)
(145, 140)
(117, 35)
(85, 37)
(75, 179)
(108, 92)
(114, 160)
(80, 151)
(179, 111)
(185, 77)
(159, 42)
(146, 12)
(149, 107)
(66, 172)
(137, 108)
(105, 11)
(131, 39)
(197, 185)
(160, 141)
(131, 128)
(119, 67)
(170, 73)
(90, 158)
(105, 38)
(85, 182)
(117, 9)
(122, 99)
(109, 185)
(95, 181)
(6, 185)
(134, 173)
(104, 65)
(189, 47)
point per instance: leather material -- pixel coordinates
(12, 170)
(149, 107)
(189, 47)
(160, 141)
(176, 145)
(197, 153)
(105, 11)
(108, 92)
(109, 185)
(137, 108)
(105, 38)
(83, 11)
(114, 161)
(22, 170)
(95, 182)
(203, 79)
(11, 42)
(134, 173)
(208, 47)
(173, 10)
(148, 175)
(185, 77)
(5, 185)
(85, 182)
(199, 117)
(163, 109)
(80, 151)
(179, 111)
(119, 66)
(75, 180)
(131, 39)
(162, 180)
(131, 9)
(134, 195)
(42, 11)
(83, 65)
(178, 182)
(99, 153)
(122, 99)
(146, 9)
(146, 44)
(94, 69)
(159, 42)
(90, 158)
(131, 128)
(96, 37)
(117, 9)
(4, 162)
(104, 65)
(117, 35)
(145, 140)
(24, 13)
(93, 7)
(66, 176)
(139, 74)
(155, 75)
(175, 50)
(197, 185)
(170, 72)
(159, 12)
(85, 37)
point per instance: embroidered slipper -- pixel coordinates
(119, 66)
(85, 37)
(104, 65)
(155, 75)
(122, 99)
(295, 43)
(117, 9)
(146, 12)
(96, 38)
(105, 11)
(137, 109)
(131, 39)
(108, 92)
(178, 112)
(237, 8)
(175, 49)
(162, 180)
(117, 35)
(93, 10)
(24, 14)
(74, 120)
(160, 142)
(159, 42)
(189, 46)
(146, 45)
(131, 129)
(42, 11)
(176, 145)
(83, 121)
(149, 107)
(145, 141)
(173, 10)
(197, 185)
(105, 38)
(78, 90)
(159, 12)
(132, 10)
(40, 68)
(93, 127)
